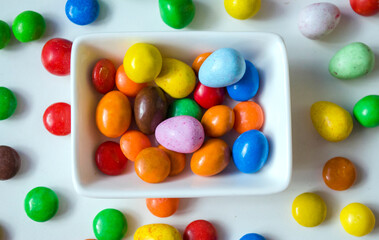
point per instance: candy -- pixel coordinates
(357, 219)
(157, 231)
(185, 106)
(183, 134)
(365, 7)
(56, 56)
(208, 97)
(211, 158)
(176, 78)
(150, 108)
(132, 143)
(82, 12)
(222, 68)
(57, 119)
(5, 34)
(339, 173)
(110, 224)
(318, 19)
(9, 162)
(113, 114)
(247, 87)
(142, 62)
(248, 115)
(178, 161)
(103, 76)
(8, 103)
(309, 209)
(331, 121)
(352, 61)
(200, 229)
(162, 207)
(199, 61)
(41, 204)
(252, 236)
(109, 158)
(177, 13)
(127, 86)
(242, 9)
(218, 120)
(366, 111)
(28, 26)
(152, 165)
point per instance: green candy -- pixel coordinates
(185, 106)
(41, 204)
(177, 13)
(366, 111)
(28, 26)
(5, 34)
(110, 224)
(352, 61)
(8, 103)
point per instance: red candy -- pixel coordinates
(110, 159)
(200, 230)
(56, 56)
(57, 119)
(103, 76)
(208, 97)
(365, 7)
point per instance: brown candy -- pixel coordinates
(9, 162)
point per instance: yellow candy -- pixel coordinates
(331, 121)
(142, 62)
(308, 209)
(242, 9)
(157, 231)
(177, 79)
(357, 219)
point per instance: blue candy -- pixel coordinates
(250, 151)
(247, 87)
(222, 68)
(82, 12)
(253, 236)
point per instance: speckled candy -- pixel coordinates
(183, 134)
(109, 224)
(41, 204)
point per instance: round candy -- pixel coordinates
(185, 106)
(250, 151)
(339, 173)
(177, 13)
(242, 9)
(57, 119)
(157, 231)
(56, 56)
(103, 76)
(28, 26)
(41, 204)
(9, 162)
(199, 61)
(8, 103)
(178, 161)
(127, 86)
(248, 115)
(5, 34)
(365, 7)
(162, 207)
(132, 143)
(309, 209)
(357, 219)
(110, 159)
(82, 12)
(252, 236)
(110, 224)
(218, 120)
(208, 97)
(366, 111)
(200, 229)
(152, 165)
(247, 87)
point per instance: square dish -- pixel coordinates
(265, 50)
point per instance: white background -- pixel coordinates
(46, 158)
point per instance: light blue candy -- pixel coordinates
(222, 68)
(82, 12)
(253, 236)
(247, 87)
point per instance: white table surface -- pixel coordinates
(46, 158)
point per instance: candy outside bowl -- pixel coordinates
(266, 51)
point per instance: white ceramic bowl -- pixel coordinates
(265, 50)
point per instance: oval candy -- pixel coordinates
(157, 231)
(247, 87)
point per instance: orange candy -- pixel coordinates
(133, 142)
(152, 165)
(248, 115)
(162, 207)
(178, 161)
(199, 61)
(125, 85)
(218, 120)
(339, 173)
(211, 158)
